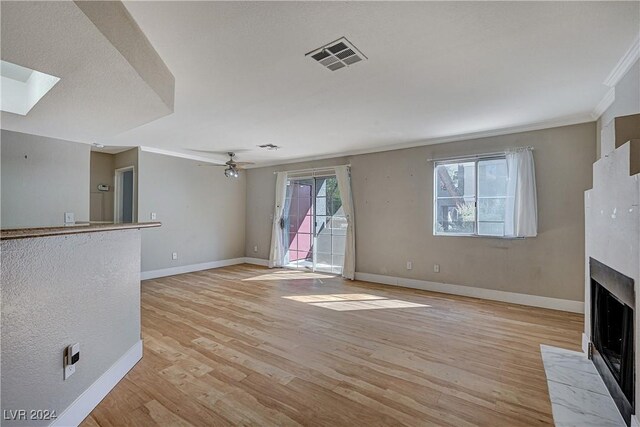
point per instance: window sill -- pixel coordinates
(481, 236)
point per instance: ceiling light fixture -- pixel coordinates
(338, 54)
(231, 172)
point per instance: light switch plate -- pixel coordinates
(174, 255)
(69, 218)
(153, 216)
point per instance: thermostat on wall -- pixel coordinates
(103, 187)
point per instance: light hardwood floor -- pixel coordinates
(226, 347)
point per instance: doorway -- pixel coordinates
(124, 206)
(316, 224)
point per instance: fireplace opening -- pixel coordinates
(612, 325)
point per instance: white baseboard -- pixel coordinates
(257, 261)
(172, 271)
(585, 343)
(634, 421)
(490, 294)
(89, 399)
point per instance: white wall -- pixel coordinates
(57, 291)
(42, 178)
(202, 212)
(393, 210)
(627, 99)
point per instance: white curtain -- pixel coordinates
(521, 210)
(344, 186)
(278, 233)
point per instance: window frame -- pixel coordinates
(476, 160)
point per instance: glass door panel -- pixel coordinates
(299, 223)
(316, 224)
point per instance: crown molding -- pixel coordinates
(604, 103)
(624, 64)
(546, 124)
(182, 155)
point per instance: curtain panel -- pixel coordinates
(278, 233)
(343, 177)
(521, 210)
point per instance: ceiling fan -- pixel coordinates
(232, 167)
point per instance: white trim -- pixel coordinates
(257, 261)
(604, 104)
(117, 190)
(634, 421)
(89, 399)
(585, 343)
(183, 155)
(546, 124)
(624, 64)
(172, 271)
(490, 294)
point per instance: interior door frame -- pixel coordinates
(117, 193)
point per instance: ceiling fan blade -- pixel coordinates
(244, 163)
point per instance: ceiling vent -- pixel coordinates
(337, 54)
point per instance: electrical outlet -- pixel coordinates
(255, 248)
(174, 255)
(69, 218)
(71, 357)
(153, 216)
(436, 268)
(409, 265)
(69, 370)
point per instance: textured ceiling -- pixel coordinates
(102, 91)
(435, 70)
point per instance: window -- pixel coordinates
(470, 197)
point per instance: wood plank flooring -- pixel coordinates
(226, 347)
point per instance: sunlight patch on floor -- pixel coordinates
(290, 275)
(348, 302)
(333, 297)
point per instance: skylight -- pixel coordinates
(21, 88)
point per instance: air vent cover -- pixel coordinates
(338, 54)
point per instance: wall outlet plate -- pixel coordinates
(174, 255)
(69, 218)
(409, 265)
(69, 370)
(436, 268)
(153, 216)
(255, 248)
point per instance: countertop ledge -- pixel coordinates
(25, 233)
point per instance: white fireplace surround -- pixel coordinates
(612, 221)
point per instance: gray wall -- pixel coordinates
(58, 291)
(102, 170)
(627, 99)
(41, 179)
(393, 208)
(202, 212)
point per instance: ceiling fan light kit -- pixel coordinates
(231, 172)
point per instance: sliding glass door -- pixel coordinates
(316, 224)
